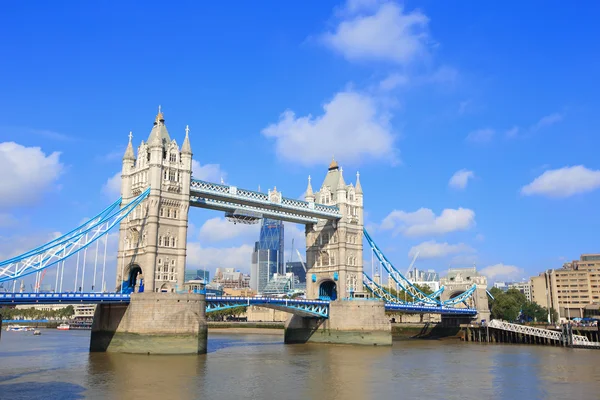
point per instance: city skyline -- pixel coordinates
(474, 138)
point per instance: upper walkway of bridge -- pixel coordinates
(248, 202)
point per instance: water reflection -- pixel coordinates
(58, 365)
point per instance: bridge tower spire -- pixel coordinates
(334, 248)
(152, 241)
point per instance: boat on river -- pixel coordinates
(18, 328)
(63, 327)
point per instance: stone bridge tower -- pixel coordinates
(152, 239)
(458, 281)
(334, 250)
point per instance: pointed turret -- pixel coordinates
(129, 151)
(358, 186)
(186, 147)
(159, 130)
(309, 196)
(341, 183)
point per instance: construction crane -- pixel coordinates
(37, 287)
(301, 260)
(411, 266)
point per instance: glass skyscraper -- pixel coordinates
(267, 257)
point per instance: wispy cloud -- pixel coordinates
(481, 136)
(547, 121)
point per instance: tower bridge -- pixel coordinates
(157, 189)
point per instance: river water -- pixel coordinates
(57, 365)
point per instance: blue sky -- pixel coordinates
(503, 95)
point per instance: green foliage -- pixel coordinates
(534, 312)
(220, 315)
(505, 307)
(512, 303)
(32, 313)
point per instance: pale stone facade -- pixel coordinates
(569, 290)
(458, 281)
(334, 248)
(153, 238)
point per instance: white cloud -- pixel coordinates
(547, 120)
(564, 182)
(425, 222)
(433, 249)
(460, 179)
(389, 34)
(481, 136)
(112, 187)
(512, 132)
(393, 81)
(352, 127)
(219, 229)
(26, 169)
(208, 172)
(212, 257)
(502, 272)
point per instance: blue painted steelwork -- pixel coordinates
(489, 294)
(422, 308)
(55, 251)
(461, 298)
(272, 205)
(379, 292)
(406, 285)
(68, 298)
(307, 308)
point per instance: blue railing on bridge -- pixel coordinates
(75, 297)
(319, 308)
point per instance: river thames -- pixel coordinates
(57, 365)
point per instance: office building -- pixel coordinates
(267, 257)
(573, 290)
(231, 278)
(196, 274)
(297, 268)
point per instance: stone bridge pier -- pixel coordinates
(152, 323)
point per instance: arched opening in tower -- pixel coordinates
(327, 290)
(135, 277)
(456, 294)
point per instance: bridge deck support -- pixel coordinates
(361, 322)
(153, 323)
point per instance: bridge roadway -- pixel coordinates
(303, 307)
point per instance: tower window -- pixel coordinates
(160, 241)
(173, 157)
(173, 244)
(174, 213)
(169, 213)
(162, 212)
